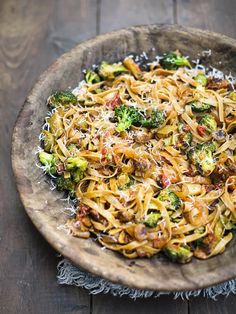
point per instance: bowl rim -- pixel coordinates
(87, 266)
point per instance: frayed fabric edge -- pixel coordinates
(68, 274)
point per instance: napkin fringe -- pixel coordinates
(68, 274)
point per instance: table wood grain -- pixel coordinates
(32, 34)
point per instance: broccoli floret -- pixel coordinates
(209, 123)
(73, 163)
(202, 157)
(56, 124)
(77, 165)
(48, 160)
(170, 199)
(201, 79)
(172, 61)
(124, 181)
(62, 98)
(65, 184)
(185, 140)
(73, 150)
(152, 219)
(198, 106)
(156, 120)
(212, 146)
(178, 253)
(109, 71)
(126, 117)
(92, 77)
(48, 141)
(232, 96)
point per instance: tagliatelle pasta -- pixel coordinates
(149, 156)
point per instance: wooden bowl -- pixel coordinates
(44, 206)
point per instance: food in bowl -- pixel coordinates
(148, 155)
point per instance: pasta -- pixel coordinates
(149, 157)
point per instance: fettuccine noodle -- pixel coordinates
(148, 187)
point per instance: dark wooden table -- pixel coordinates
(33, 33)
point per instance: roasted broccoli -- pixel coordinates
(156, 120)
(126, 117)
(209, 123)
(185, 140)
(124, 181)
(92, 77)
(178, 253)
(169, 198)
(198, 106)
(232, 96)
(152, 219)
(62, 98)
(48, 141)
(172, 61)
(201, 79)
(65, 184)
(77, 165)
(56, 125)
(109, 71)
(48, 160)
(202, 157)
(206, 244)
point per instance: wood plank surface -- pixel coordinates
(32, 34)
(123, 13)
(215, 15)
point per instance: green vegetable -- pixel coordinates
(92, 77)
(202, 157)
(198, 106)
(178, 253)
(209, 123)
(172, 61)
(48, 160)
(201, 79)
(170, 199)
(56, 125)
(77, 165)
(62, 98)
(185, 140)
(232, 96)
(109, 71)
(156, 120)
(126, 117)
(48, 141)
(76, 162)
(65, 184)
(152, 219)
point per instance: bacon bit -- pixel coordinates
(201, 130)
(60, 168)
(165, 181)
(104, 151)
(116, 101)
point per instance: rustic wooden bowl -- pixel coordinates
(44, 206)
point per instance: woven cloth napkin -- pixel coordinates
(68, 274)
